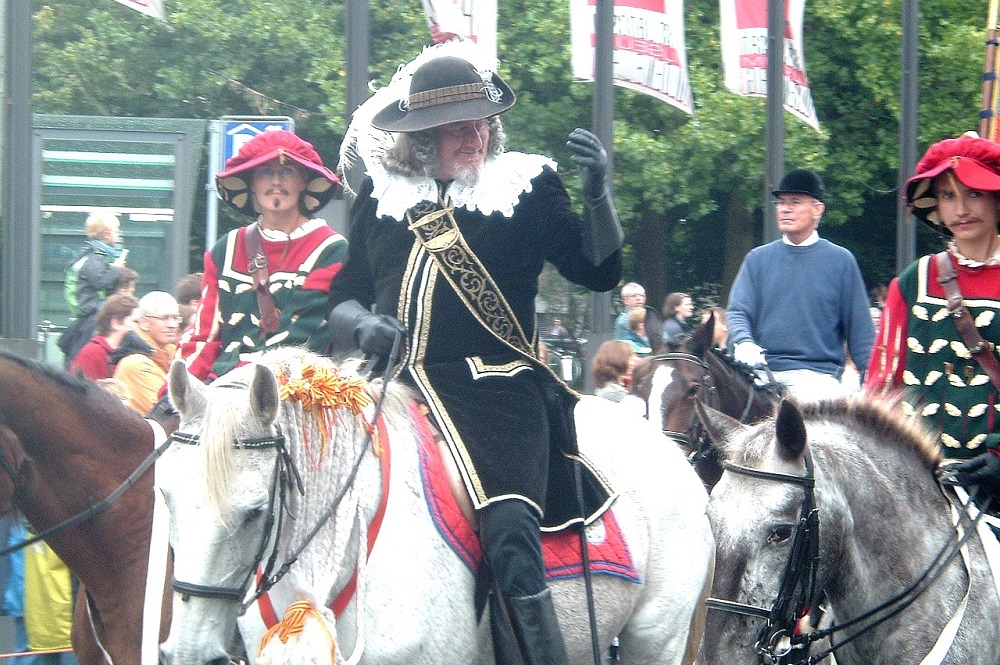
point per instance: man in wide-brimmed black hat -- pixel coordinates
(798, 301)
(449, 235)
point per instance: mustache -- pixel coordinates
(276, 190)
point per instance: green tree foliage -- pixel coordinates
(689, 189)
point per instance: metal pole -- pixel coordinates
(603, 122)
(212, 194)
(906, 233)
(21, 255)
(357, 54)
(775, 113)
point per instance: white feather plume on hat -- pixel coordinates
(364, 145)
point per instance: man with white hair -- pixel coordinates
(144, 373)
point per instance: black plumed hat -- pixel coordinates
(445, 90)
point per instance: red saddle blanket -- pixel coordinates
(606, 546)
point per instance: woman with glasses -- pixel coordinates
(144, 373)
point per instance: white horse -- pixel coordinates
(840, 499)
(415, 596)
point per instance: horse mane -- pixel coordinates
(82, 394)
(323, 441)
(880, 419)
(773, 391)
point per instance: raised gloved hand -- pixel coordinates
(603, 235)
(592, 160)
(982, 471)
(749, 353)
(352, 325)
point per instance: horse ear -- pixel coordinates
(790, 431)
(264, 398)
(186, 395)
(721, 428)
(701, 338)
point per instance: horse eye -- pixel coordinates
(253, 515)
(780, 534)
(693, 391)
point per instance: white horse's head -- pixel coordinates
(217, 482)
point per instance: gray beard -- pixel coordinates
(467, 175)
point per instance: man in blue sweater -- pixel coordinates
(798, 300)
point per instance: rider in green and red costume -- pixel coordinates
(919, 350)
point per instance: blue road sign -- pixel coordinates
(237, 130)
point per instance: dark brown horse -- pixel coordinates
(69, 449)
(692, 370)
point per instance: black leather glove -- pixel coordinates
(982, 471)
(354, 326)
(602, 235)
(592, 160)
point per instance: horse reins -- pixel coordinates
(777, 639)
(94, 511)
(284, 469)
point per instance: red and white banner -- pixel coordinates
(649, 52)
(152, 8)
(472, 19)
(744, 54)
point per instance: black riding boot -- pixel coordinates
(536, 632)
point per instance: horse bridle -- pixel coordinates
(284, 468)
(696, 438)
(797, 594)
(284, 474)
(778, 643)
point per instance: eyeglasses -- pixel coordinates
(271, 171)
(793, 202)
(168, 318)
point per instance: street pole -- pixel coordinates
(603, 123)
(906, 233)
(775, 113)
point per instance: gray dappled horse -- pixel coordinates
(850, 486)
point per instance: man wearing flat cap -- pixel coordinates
(449, 235)
(798, 301)
(267, 284)
(920, 349)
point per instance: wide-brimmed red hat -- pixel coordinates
(443, 90)
(973, 160)
(234, 182)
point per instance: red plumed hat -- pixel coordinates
(973, 160)
(234, 182)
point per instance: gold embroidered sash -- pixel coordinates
(434, 226)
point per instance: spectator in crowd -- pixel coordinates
(117, 318)
(470, 352)
(637, 331)
(633, 295)
(144, 372)
(279, 179)
(797, 300)
(92, 276)
(188, 295)
(677, 309)
(612, 369)
(943, 374)
(557, 330)
(127, 282)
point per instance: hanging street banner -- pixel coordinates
(471, 19)
(744, 54)
(649, 51)
(152, 8)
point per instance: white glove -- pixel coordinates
(749, 353)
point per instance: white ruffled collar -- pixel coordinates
(274, 235)
(508, 176)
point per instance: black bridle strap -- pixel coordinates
(266, 582)
(101, 506)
